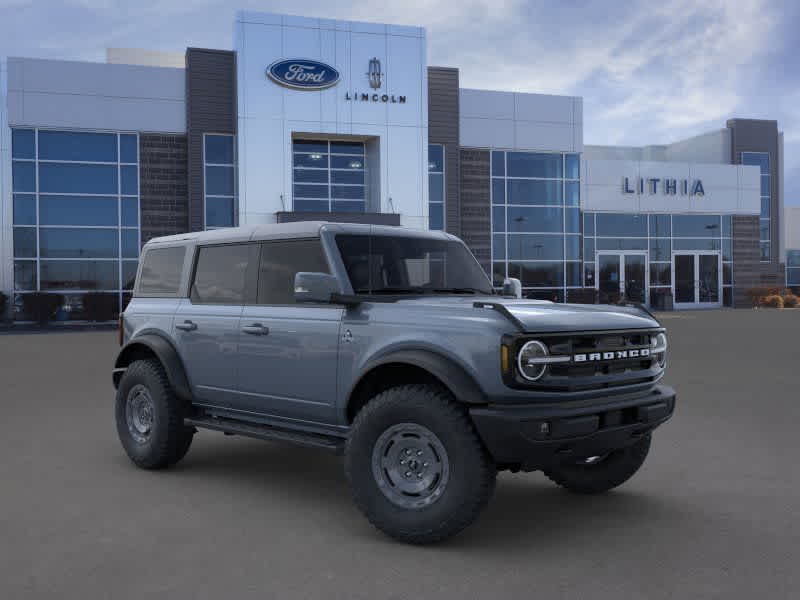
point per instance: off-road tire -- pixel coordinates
(472, 472)
(610, 472)
(169, 439)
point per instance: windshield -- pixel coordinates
(410, 265)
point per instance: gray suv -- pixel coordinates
(387, 345)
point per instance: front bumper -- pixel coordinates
(532, 437)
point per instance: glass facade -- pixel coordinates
(76, 215)
(761, 160)
(328, 176)
(219, 169)
(793, 268)
(435, 186)
(536, 235)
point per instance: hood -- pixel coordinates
(544, 317)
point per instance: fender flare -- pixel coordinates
(453, 376)
(166, 354)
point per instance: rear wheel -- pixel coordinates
(417, 469)
(150, 416)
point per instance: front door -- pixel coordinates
(697, 279)
(622, 275)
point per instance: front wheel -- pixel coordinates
(597, 474)
(417, 469)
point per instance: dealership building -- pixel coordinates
(339, 120)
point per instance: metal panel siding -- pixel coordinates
(163, 197)
(476, 216)
(210, 108)
(443, 128)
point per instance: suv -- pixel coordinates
(390, 346)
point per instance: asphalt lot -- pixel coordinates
(715, 512)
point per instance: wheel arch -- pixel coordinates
(151, 345)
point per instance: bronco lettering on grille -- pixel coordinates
(616, 355)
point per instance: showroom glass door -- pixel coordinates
(622, 275)
(697, 279)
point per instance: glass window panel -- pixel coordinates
(348, 206)
(280, 262)
(79, 275)
(660, 226)
(347, 162)
(498, 191)
(161, 271)
(727, 297)
(572, 190)
(23, 176)
(623, 225)
(23, 143)
(347, 148)
(543, 274)
(435, 158)
(498, 163)
(763, 229)
(130, 243)
(727, 249)
(219, 149)
(695, 244)
(219, 212)
(556, 295)
(573, 274)
(535, 219)
(24, 209)
(129, 180)
(77, 179)
(532, 164)
(535, 247)
(310, 146)
(727, 273)
(696, 225)
(765, 185)
(128, 148)
(727, 226)
(499, 247)
(77, 210)
(347, 192)
(766, 251)
(219, 181)
(522, 191)
(498, 274)
(621, 243)
(316, 161)
(660, 249)
(436, 187)
(77, 145)
(130, 212)
(588, 274)
(436, 216)
(572, 220)
(793, 258)
(765, 208)
(759, 159)
(572, 245)
(219, 274)
(498, 218)
(25, 242)
(588, 224)
(793, 277)
(357, 177)
(78, 243)
(311, 205)
(661, 274)
(588, 249)
(311, 175)
(25, 275)
(573, 166)
(310, 191)
(129, 273)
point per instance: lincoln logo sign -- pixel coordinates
(302, 74)
(667, 186)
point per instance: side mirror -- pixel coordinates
(315, 287)
(512, 287)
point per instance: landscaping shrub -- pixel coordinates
(99, 306)
(41, 306)
(773, 301)
(790, 301)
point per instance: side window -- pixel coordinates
(280, 262)
(161, 271)
(219, 276)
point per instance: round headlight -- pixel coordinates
(658, 348)
(530, 360)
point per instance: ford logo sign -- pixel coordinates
(303, 74)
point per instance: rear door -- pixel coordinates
(288, 352)
(206, 325)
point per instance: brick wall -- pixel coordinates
(163, 181)
(748, 271)
(443, 128)
(476, 216)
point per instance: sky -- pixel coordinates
(649, 72)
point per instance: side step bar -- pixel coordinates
(266, 432)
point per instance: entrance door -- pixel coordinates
(622, 275)
(697, 279)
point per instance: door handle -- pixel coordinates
(255, 329)
(186, 326)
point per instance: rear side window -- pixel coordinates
(280, 262)
(161, 271)
(220, 274)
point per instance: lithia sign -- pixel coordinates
(667, 186)
(306, 74)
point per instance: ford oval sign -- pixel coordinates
(303, 74)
